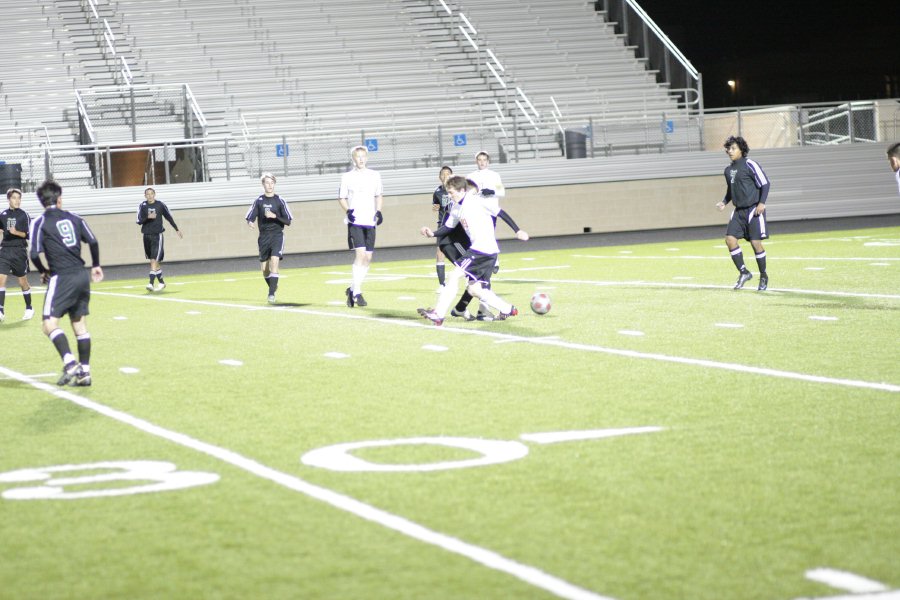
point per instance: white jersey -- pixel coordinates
(897, 175)
(475, 214)
(360, 188)
(488, 179)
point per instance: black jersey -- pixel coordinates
(275, 204)
(154, 226)
(18, 219)
(441, 198)
(747, 184)
(58, 234)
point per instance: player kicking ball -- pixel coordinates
(476, 265)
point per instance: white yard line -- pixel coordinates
(483, 556)
(672, 258)
(711, 364)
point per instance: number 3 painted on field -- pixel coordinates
(163, 476)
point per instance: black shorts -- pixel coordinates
(477, 266)
(153, 246)
(14, 261)
(68, 293)
(361, 237)
(271, 243)
(455, 244)
(746, 224)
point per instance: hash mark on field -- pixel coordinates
(880, 264)
(434, 348)
(406, 298)
(230, 362)
(120, 318)
(814, 269)
(450, 330)
(336, 355)
(193, 312)
(631, 332)
(821, 318)
(129, 370)
(483, 556)
(729, 325)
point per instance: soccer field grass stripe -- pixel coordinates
(712, 364)
(488, 558)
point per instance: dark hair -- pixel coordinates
(49, 193)
(472, 184)
(12, 191)
(741, 144)
(457, 182)
(894, 150)
(446, 168)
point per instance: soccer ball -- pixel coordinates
(540, 303)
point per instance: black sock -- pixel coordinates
(272, 280)
(27, 296)
(152, 276)
(464, 300)
(737, 256)
(2, 298)
(61, 342)
(761, 262)
(84, 349)
(440, 272)
(159, 276)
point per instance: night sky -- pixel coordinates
(786, 52)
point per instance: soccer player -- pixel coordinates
(440, 203)
(361, 199)
(148, 217)
(893, 154)
(57, 236)
(476, 215)
(272, 214)
(490, 185)
(14, 250)
(747, 187)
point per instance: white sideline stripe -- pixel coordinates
(488, 558)
(574, 436)
(723, 259)
(886, 387)
(842, 580)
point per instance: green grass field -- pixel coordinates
(657, 435)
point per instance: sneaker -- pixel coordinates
(271, 298)
(512, 313)
(349, 293)
(149, 287)
(27, 315)
(763, 282)
(743, 278)
(359, 300)
(484, 314)
(432, 316)
(2, 316)
(69, 373)
(82, 379)
(159, 287)
(465, 314)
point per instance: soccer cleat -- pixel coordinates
(159, 287)
(763, 282)
(743, 278)
(484, 314)
(359, 300)
(69, 373)
(512, 313)
(2, 316)
(461, 313)
(271, 298)
(496, 269)
(149, 287)
(433, 317)
(28, 314)
(349, 293)
(82, 379)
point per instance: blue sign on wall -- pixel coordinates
(282, 150)
(371, 144)
(669, 126)
(459, 139)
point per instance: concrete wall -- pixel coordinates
(541, 211)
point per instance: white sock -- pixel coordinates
(359, 273)
(448, 294)
(494, 301)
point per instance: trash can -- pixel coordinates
(576, 143)
(10, 176)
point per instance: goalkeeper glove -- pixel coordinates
(350, 217)
(487, 192)
(378, 217)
